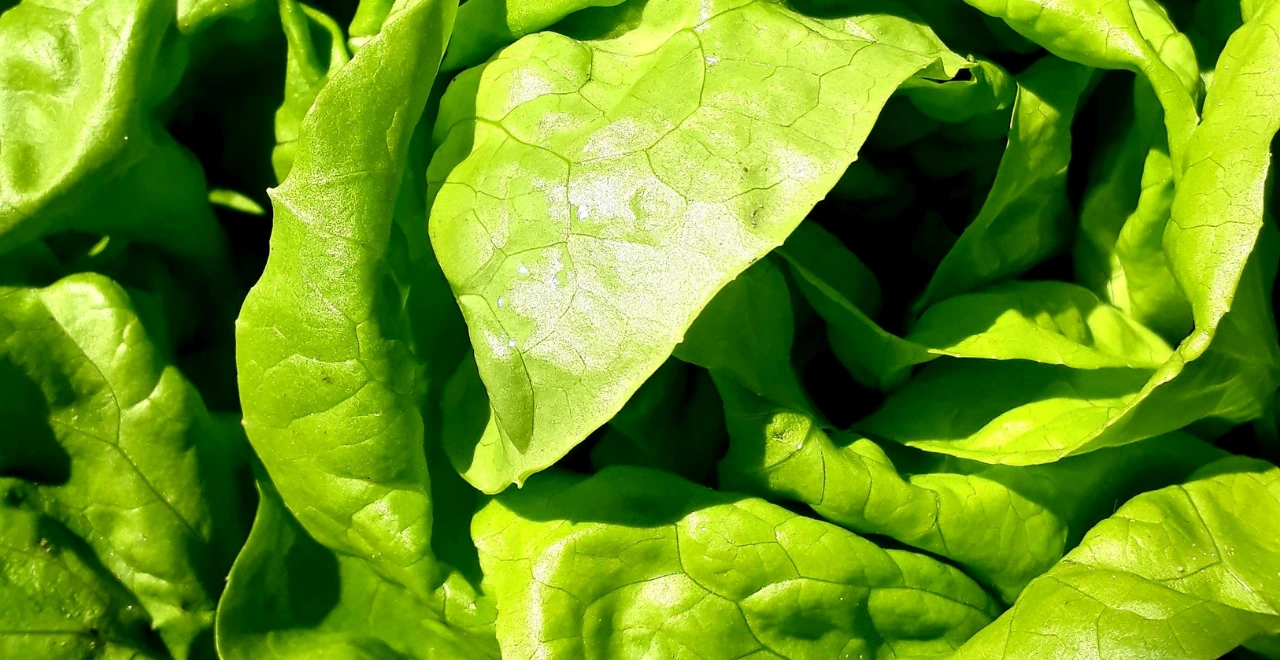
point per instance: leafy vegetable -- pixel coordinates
(1054, 415)
(1021, 222)
(327, 605)
(559, 238)
(666, 557)
(1029, 515)
(341, 370)
(1177, 572)
(427, 329)
(120, 457)
(84, 147)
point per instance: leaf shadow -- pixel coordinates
(32, 451)
(622, 495)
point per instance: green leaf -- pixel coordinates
(818, 256)
(197, 15)
(1108, 34)
(1008, 412)
(581, 248)
(1024, 217)
(746, 332)
(989, 89)
(864, 181)
(316, 50)
(290, 597)
(81, 88)
(633, 561)
(231, 199)
(1002, 525)
(1047, 322)
(330, 386)
(779, 446)
(674, 423)
(120, 448)
(1189, 571)
(1212, 23)
(1122, 221)
(485, 26)
(1226, 369)
(1118, 251)
(1026, 414)
(369, 19)
(873, 356)
(969, 31)
(59, 602)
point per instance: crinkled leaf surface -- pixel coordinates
(59, 602)
(1190, 571)
(329, 383)
(120, 450)
(779, 447)
(594, 195)
(290, 597)
(634, 562)
(1002, 525)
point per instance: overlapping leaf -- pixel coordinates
(1226, 368)
(632, 562)
(594, 195)
(329, 381)
(1189, 571)
(116, 446)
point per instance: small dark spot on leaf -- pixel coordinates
(13, 497)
